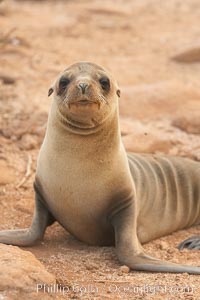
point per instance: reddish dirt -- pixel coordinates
(160, 99)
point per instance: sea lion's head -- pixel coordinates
(85, 94)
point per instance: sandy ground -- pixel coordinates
(136, 41)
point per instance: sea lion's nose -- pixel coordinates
(83, 86)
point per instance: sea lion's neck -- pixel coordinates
(104, 136)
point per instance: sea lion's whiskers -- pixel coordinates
(103, 99)
(66, 101)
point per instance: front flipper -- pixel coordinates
(193, 243)
(29, 236)
(130, 251)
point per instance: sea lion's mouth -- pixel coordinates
(83, 103)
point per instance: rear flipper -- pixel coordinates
(143, 262)
(29, 236)
(130, 251)
(193, 243)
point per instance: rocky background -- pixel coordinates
(153, 49)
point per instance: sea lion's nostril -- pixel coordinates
(83, 87)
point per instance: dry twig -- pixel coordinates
(28, 172)
(5, 38)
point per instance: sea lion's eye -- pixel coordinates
(105, 83)
(64, 82)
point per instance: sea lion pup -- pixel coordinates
(87, 182)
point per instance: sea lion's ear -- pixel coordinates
(118, 93)
(50, 91)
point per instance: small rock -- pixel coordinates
(124, 269)
(163, 245)
(100, 273)
(170, 251)
(28, 142)
(190, 54)
(91, 266)
(177, 277)
(189, 124)
(7, 79)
